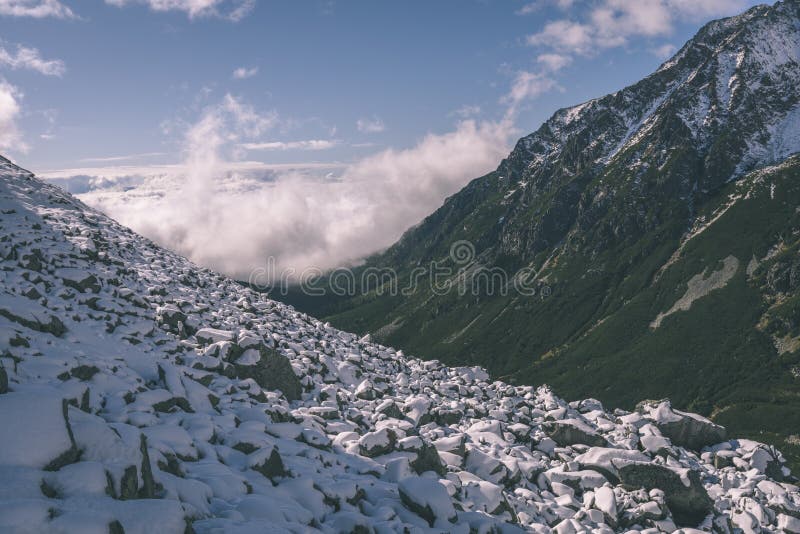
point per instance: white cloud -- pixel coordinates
(29, 58)
(178, 170)
(370, 125)
(554, 62)
(664, 51)
(112, 159)
(246, 119)
(466, 111)
(612, 23)
(242, 73)
(36, 9)
(525, 86)
(533, 7)
(10, 110)
(233, 10)
(694, 9)
(564, 35)
(232, 216)
(527, 9)
(308, 144)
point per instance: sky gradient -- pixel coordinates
(392, 106)
(364, 73)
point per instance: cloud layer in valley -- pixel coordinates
(231, 215)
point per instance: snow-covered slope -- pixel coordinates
(140, 393)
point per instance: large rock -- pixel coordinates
(428, 499)
(428, 459)
(689, 504)
(376, 443)
(272, 371)
(79, 279)
(172, 318)
(607, 461)
(683, 429)
(574, 432)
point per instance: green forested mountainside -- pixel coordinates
(659, 227)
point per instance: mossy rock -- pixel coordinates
(272, 372)
(689, 505)
(273, 466)
(428, 459)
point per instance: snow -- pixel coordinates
(609, 460)
(169, 433)
(34, 431)
(605, 501)
(430, 494)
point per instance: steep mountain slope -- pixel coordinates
(646, 249)
(140, 393)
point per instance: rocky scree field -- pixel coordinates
(141, 393)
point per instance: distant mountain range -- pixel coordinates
(655, 231)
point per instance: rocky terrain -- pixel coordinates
(140, 393)
(658, 226)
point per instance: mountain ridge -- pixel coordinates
(599, 203)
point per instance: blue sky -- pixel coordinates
(309, 132)
(402, 69)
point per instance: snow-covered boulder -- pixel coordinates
(683, 429)
(34, 431)
(428, 499)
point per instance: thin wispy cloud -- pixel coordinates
(554, 62)
(613, 23)
(36, 9)
(242, 73)
(467, 111)
(533, 7)
(233, 10)
(664, 51)
(30, 58)
(526, 86)
(10, 111)
(566, 36)
(112, 159)
(239, 168)
(308, 144)
(588, 30)
(370, 125)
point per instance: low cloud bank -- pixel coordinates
(232, 216)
